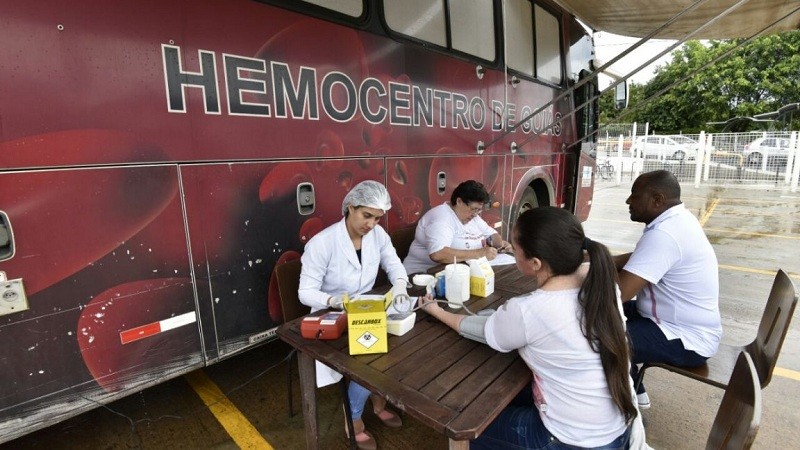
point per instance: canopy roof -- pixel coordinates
(638, 18)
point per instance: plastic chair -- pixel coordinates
(288, 277)
(739, 414)
(764, 350)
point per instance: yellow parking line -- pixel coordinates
(758, 271)
(786, 373)
(709, 211)
(751, 233)
(243, 433)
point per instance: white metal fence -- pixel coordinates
(758, 159)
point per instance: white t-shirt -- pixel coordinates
(682, 294)
(570, 388)
(440, 228)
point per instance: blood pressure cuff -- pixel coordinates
(472, 327)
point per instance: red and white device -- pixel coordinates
(330, 325)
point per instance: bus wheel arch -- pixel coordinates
(537, 193)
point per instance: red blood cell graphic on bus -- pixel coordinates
(136, 326)
(329, 145)
(331, 46)
(411, 209)
(400, 172)
(282, 180)
(73, 147)
(459, 169)
(67, 220)
(309, 228)
(274, 299)
(345, 180)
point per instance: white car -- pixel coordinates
(775, 149)
(665, 147)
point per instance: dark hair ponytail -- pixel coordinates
(604, 326)
(555, 236)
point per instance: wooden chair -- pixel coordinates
(764, 350)
(288, 277)
(402, 239)
(739, 414)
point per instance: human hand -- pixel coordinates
(336, 301)
(427, 302)
(490, 253)
(399, 288)
(505, 247)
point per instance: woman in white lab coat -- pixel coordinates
(344, 258)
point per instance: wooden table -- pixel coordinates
(452, 384)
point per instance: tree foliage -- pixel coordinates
(759, 76)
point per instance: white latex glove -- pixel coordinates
(336, 301)
(399, 288)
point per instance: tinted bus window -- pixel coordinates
(353, 8)
(548, 46)
(472, 27)
(471, 24)
(404, 17)
(519, 41)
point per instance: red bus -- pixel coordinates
(159, 158)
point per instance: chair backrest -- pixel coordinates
(402, 239)
(739, 414)
(288, 275)
(773, 327)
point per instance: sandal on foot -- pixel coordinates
(389, 418)
(365, 441)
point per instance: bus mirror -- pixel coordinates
(621, 95)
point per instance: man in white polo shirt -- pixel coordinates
(674, 275)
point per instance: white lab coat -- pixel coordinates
(331, 267)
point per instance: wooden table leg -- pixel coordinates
(458, 445)
(308, 392)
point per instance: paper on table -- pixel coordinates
(502, 259)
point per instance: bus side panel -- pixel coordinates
(243, 219)
(416, 191)
(102, 256)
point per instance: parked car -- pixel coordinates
(667, 147)
(775, 149)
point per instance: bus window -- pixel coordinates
(404, 17)
(353, 8)
(548, 46)
(472, 27)
(519, 23)
(471, 24)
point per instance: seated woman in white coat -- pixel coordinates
(344, 258)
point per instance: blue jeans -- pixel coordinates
(650, 345)
(358, 396)
(519, 426)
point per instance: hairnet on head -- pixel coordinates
(368, 193)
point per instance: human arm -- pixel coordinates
(621, 260)
(440, 238)
(503, 330)
(447, 254)
(630, 284)
(497, 242)
(315, 262)
(656, 254)
(429, 305)
(471, 327)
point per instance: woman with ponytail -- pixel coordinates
(570, 331)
